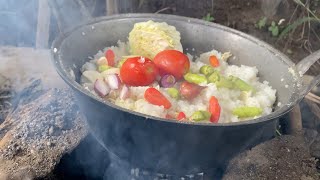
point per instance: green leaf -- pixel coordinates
(275, 31)
(295, 25)
(262, 22)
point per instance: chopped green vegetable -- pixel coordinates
(246, 112)
(214, 77)
(231, 82)
(121, 62)
(224, 83)
(240, 84)
(102, 68)
(195, 78)
(200, 116)
(173, 92)
(206, 114)
(206, 70)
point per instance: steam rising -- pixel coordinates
(70, 14)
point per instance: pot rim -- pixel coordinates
(56, 59)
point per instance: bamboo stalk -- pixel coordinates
(315, 109)
(313, 97)
(295, 120)
(111, 7)
(43, 25)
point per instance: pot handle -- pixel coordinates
(303, 66)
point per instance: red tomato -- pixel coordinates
(153, 96)
(181, 116)
(110, 57)
(189, 90)
(138, 71)
(172, 62)
(214, 61)
(214, 109)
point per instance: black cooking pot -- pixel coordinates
(167, 146)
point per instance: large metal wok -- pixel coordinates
(167, 146)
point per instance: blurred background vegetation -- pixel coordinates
(292, 26)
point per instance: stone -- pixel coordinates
(32, 140)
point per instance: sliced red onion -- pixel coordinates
(119, 79)
(167, 81)
(101, 88)
(113, 81)
(124, 93)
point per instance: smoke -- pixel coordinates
(90, 159)
(17, 22)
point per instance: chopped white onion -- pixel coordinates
(102, 61)
(113, 81)
(110, 71)
(101, 88)
(124, 93)
(90, 76)
(88, 66)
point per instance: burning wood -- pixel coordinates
(44, 125)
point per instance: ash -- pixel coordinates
(43, 125)
(6, 94)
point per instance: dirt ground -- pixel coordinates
(41, 128)
(285, 157)
(244, 15)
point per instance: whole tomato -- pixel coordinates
(138, 71)
(172, 62)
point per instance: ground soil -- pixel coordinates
(243, 15)
(285, 157)
(38, 131)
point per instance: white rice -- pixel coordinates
(264, 97)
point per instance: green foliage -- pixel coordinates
(299, 2)
(295, 24)
(208, 17)
(298, 22)
(261, 23)
(274, 29)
